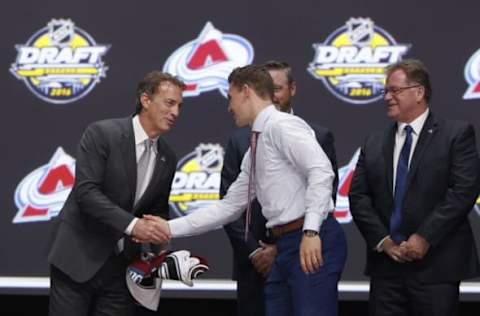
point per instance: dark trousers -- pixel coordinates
(105, 294)
(289, 291)
(250, 291)
(406, 296)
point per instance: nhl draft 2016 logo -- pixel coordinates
(352, 60)
(472, 75)
(60, 63)
(345, 175)
(42, 193)
(197, 180)
(205, 63)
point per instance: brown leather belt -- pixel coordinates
(277, 232)
(280, 230)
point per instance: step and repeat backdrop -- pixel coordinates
(65, 64)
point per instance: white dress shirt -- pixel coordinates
(400, 136)
(293, 178)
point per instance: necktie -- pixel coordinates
(400, 183)
(251, 179)
(142, 168)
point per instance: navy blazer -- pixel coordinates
(443, 183)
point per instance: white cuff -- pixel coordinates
(379, 247)
(129, 229)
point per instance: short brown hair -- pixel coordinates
(256, 77)
(280, 65)
(416, 72)
(150, 84)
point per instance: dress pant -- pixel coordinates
(406, 296)
(250, 291)
(106, 294)
(291, 292)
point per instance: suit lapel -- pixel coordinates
(127, 147)
(388, 143)
(426, 135)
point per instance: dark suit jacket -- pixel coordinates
(235, 150)
(442, 185)
(100, 205)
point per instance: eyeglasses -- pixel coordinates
(395, 91)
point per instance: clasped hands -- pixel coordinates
(415, 248)
(151, 229)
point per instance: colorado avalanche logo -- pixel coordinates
(472, 75)
(205, 63)
(42, 193)
(345, 175)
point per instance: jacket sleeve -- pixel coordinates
(365, 215)
(462, 191)
(92, 157)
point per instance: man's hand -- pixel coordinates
(151, 229)
(311, 254)
(416, 247)
(263, 259)
(394, 251)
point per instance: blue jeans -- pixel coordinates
(289, 291)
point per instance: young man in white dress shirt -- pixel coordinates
(292, 180)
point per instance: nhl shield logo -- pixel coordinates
(360, 31)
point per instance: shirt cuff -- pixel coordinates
(129, 228)
(250, 256)
(313, 221)
(179, 227)
(379, 247)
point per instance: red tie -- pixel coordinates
(251, 179)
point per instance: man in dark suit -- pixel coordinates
(124, 170)
(411, 193)
(253, 258)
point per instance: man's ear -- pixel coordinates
(293, 88)
(145, 100)
(420, 93)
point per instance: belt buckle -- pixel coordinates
(271, 238)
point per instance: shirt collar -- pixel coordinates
(416, 124)
(140, 134)
(262, 118)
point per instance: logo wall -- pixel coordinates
(197, 180)
(42, 193)
(352, 60)
(60, 63)
(472, 75)
(205, 63)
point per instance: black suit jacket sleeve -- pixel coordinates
(361, 205)
(463, 188)
(92, 156)
(326, 140)
(234, 152)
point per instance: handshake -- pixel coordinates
(151, 229)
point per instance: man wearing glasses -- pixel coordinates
(411, 193)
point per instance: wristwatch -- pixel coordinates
(310, 233)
